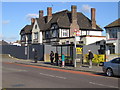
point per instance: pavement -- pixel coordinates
(83, 67)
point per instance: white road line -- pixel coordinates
(61, 77)
(52, 76)
(11, 69)
(47, 75)
(103, 85)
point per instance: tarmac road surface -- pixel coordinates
(29, 76)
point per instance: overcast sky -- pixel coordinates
(15, 15)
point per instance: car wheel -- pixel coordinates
(109, 72)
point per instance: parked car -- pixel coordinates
(112, 67)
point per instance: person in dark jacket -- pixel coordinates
(51, 57)
(90, 57)
(56, 58)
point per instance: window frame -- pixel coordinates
(36, 35)
(36, 26)
(65, 32)
(115, 61)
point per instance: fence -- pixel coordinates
(23, 52)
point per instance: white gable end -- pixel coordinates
(36, 34)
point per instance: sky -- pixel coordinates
(15, 15)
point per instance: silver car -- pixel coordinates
(112, 67)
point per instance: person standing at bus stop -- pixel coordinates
(56, 58)
(90, 57)
(63, 60)
(51, 57)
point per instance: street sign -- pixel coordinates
(78, 33)
(78, 50)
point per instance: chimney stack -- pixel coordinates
(74, 13)
(74, 25)
(32, 21)
(93, 14)
(40, 13)
(49, 14)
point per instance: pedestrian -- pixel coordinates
(63, 60)
(51, 57)
(35, 56)
(56, 58)
(90, 57)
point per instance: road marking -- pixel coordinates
(53, 76)
(11, 69)
(55, 69)
(47, 75)
(103, 85)
(61, 77)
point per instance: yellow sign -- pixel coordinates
(78, 50)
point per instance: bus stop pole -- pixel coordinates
(75, 52)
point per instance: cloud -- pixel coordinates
(86, 8)
(32, 15)
(5, 21)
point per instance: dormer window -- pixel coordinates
(54, 33)
(54, 26)
(47, 34)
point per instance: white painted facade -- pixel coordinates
(113, 40)
(96, 33)
(92, 36)
(36, 33)
(92, 39)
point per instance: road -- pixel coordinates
(28, 76)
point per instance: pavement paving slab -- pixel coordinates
(83, 67)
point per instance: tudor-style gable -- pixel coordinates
(67, 22)
(36, 32)
(26, 34)
(60, 26)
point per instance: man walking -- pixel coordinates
(90, 57)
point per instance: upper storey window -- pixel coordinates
(54, 26)
(35, 26)
(112, 33)
(65, 33)
(36, 35)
